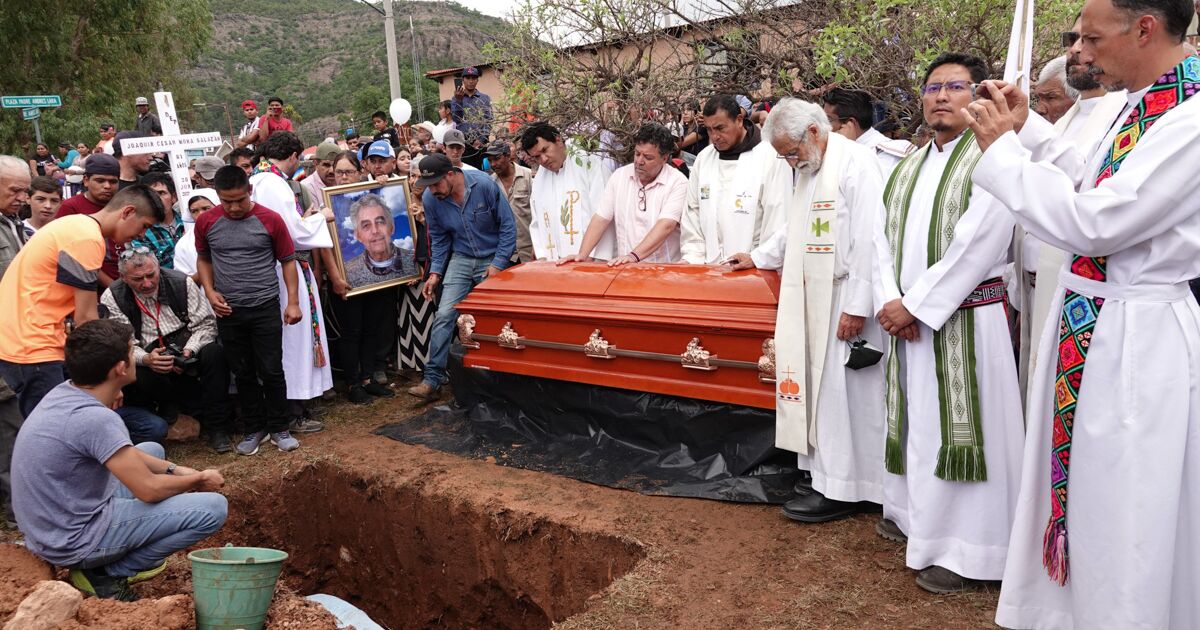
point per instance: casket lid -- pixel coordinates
(698, 294)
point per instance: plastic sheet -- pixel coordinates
(648, 443)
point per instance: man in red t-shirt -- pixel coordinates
(101, 176)
(274, 120)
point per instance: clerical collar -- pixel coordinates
(753, 137)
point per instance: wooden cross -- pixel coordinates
(174, 143)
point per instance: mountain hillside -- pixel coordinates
(326, 58)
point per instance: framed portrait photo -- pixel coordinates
(373, 234)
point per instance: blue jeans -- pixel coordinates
(144, 425)
(32, 381)
(142, 535)
(462, 274)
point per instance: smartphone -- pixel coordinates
(457, 84)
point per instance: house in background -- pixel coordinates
(450, 78)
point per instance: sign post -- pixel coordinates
(29, 108)
(173, 143)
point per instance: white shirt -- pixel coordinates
(665, 198)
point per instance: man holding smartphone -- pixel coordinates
(472, 112)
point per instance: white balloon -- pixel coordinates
(401, 111)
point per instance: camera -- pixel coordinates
(186, 364)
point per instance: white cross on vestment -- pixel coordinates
(173, 143)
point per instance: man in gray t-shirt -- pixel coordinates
(87, 499)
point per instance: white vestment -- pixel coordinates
(726, 213)
(848, 425)
(563, 203)
(185, 251)
(960, 526)
(304, 379)
(1083, 126)
(889, 152)
(1133, 512)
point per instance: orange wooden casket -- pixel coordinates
(683, 330)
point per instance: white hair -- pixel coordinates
(1057, 69)
(10, 165)
(135, 259)
(791, 118)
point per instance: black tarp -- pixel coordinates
(649, 443)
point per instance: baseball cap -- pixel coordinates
(249, 103)
(102, 164)
(141, 100)
(433, 168)
(497, 147)
(207, 166)
(454, 136)
(121, 137)
(106, 126)
(381, 148)
(327, 151)
(470, 71)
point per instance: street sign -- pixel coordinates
(31, 101)
(29, 113)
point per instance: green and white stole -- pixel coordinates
(806, 300)
(961, 455)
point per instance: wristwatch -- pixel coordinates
(171, 469)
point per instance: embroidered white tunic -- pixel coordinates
(848, 423)
(960, 526)
(1134, 483)
(726, 213)
(563, 203)
(304, 379)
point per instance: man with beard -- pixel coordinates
(381, 259)
(725, 211)
(1082, 126)
(826, 253)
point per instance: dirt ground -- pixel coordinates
(419, 538)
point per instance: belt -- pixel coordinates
(1146, 293)
(989, 291)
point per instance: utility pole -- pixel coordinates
(412, 33)
(389, 34)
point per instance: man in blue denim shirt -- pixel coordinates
(472, 235)
(471, 111)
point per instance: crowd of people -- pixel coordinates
(939, 300)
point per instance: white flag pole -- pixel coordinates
(1020, 46)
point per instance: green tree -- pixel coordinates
(98, 55)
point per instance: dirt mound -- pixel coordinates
(20, 572)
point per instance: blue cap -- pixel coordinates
(381, 148)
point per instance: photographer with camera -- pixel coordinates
(179, 362)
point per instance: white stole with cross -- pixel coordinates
(806, 301)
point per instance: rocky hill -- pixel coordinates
(326, 58)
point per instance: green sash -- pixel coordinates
(961, 455)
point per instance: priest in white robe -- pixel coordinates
(850, 114)
(829, 413)
(1105, 534)
(954, 433)
(565, 193)
(726, 212)
(305, 346)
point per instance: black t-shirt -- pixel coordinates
(390, 135)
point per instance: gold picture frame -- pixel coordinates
(369, 256)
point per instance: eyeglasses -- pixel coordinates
(345, 173)
(1069, 38)
(953, 87)
(136, 250)
(642, 199)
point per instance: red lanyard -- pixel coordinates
(154, 316)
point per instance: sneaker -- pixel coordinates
(285, 441)
(375, 389)
(249, 444)
(219, 442)
(305, 425)
(103, 586)
(379, 377)
(359, 396)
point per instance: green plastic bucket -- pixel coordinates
(233, 586)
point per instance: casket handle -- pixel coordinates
(695, 357)
(508, 338)
(597, 347)
(466, 331)
(766, 363)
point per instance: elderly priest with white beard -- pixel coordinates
(828, 412)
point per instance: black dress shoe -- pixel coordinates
(943, 581)
(815, 508)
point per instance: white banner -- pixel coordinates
(1020, 46)
(166, 144)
